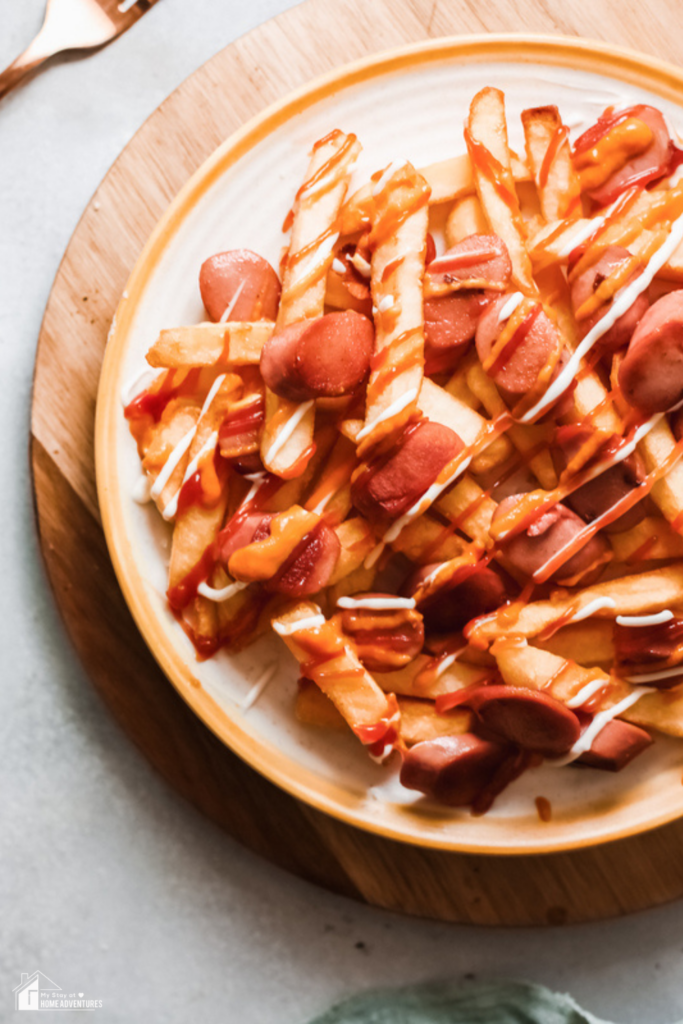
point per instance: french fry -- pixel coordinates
(656, 447)
(228, 344)
(650, 539)
(177, 422)
(632, 595)
(415, 679)
(420, 721)
(426, 540)
(439, 405)
(487, 144)
(357, 541)
(466, 218)
(589, 642)
(398, 241)
(336, 669)
(448, 180)
(550, 160)
(288, 433)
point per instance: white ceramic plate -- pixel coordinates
(409, 103)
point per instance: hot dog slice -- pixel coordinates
(619, 335)
(530, 550)
(310, 566)
(242, 530)
(649, 647)
(644, 166)
(615, 746)
(392, 483)
(604, 491)
(385, 639)
(450, 323)
(452, 607)
(529, 350)
(242, 282)
(530, 719)
(479, 261)
(323, 358)
(651, 375)
(454, 770)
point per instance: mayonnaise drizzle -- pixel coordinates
(361, 264)
(586, 692)
(602, 719)
(385, 303)
(583, 232)
(222, 594)
(620, 305)
(398, 406)
(645, 620)
(288, 429)
(446, 662)
(208, 446)
(508, 308)
(310, 622)
(233, 301)
(592, 607)
(338, 266)
(258, 687)
(651, 677)
(376, 604)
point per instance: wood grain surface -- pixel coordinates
(238, 82)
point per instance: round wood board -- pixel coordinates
(280, 55)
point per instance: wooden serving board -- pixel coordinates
(308, 40)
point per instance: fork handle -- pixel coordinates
(32, 57)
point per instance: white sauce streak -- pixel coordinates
(584, 232)
(446, 663)
(338, 266)
(288, 429)
(645, 620)
(586, 741)
(233, 301)
(398, 406)
(586, 692)
(616, 310)
(651, 677)
(420, 506)
(310, 622)
(515, 300)
(209, 446)
(592, 608)
(385, 303)
(141, 382)
(224, 593)
(376, 604)
(361, 264)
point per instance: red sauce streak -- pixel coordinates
(499, 176)
(185, 591)
(559, 136)
(515, 341)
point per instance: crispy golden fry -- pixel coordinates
(229, 344)
(357, 541)
(398, 240)
(426, 540)
(468, 504)
(549, 157)
(632, 595)
(358, 581)
(656, 448)
(195, 530)
(589, 642)
(416, 679)
(448, 179)
(288, 433)
(314, 708)
(439, 405)
(651, 538)
(340, 676)
(531, 440)
(420, 721)
(487, 143)
(178, 420)
(466, 218)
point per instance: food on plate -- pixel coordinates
(437, 450)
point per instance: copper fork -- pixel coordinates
(74, 25)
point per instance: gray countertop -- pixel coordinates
(110, 884)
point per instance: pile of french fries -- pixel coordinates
(298, 463)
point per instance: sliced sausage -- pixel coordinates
(323, 358)
(391, 483)
(310, 566)
(643, 646)
(242, 281)
(603, 492)
(450, 324)
(651, 374)
(530, 349)
(615, 746)
(454, 770)
(643, 168)
(531, 549)
(454, 605)
(619, 335)
(384, 639)
(479, 261)
(530, 719)
(242, 530)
